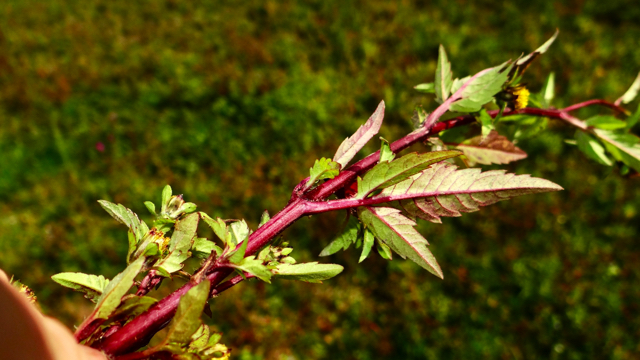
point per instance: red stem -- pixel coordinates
(139, 331)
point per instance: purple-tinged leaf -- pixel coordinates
(523, 63)
(493, 149)
(443, 190)
(398, 232)
(350, 146)
(389, 173)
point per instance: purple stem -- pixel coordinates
(139, 331)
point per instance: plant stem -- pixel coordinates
(139, 331)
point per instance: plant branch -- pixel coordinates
(139, 331)
(596, 102)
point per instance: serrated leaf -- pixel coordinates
(385, 151)
(323, 169)
(457, 83)
(630, 94)
(91, 285)
(367, 244)
(427, 88)
(255, 267)
(386, 174)
(182, 240)
(494, 149)
(310, 272)
(606, 122)
(126, 217)
(166, 197)
(187, 318)
(219, 227)
(184, 233)
(350, 146)
(482, 89)
(236, 256)
(203, 247)
(239, 231)
(623, 146)
(116, 289)
(398, 232)
(200, 338)
(151, 207)
(344, 240)
(592, 148)
(444, 76)
(443, 190)
(264, 218)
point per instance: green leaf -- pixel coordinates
(116, 289)
(442, 190)
(427, 88)
(187, 318)
(548, 91)
(350, 146)
(255, 267)
(385, 151)
(383, 250)
(592, 148)
(398, 232)
(184, 233)
(91, 285)
(633, 119)
(166, 197)
(482, 89)
(457, 83)
(133, 305)
(219, 227)
(310, 272)
(182, 241)
(418, 117)
(344, 240)
(236, 256)
(631, 94)
(444, 76)
(493, 149)
(369, 239)
(203, 247)
(239, 231)
(486, 121)
(623, 146)
(385, 174)
(151, 207)
(323, 169)
(606, 122)
(126, 217)
(200, 338)
(264, 218)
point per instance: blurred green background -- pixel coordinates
(231, 102)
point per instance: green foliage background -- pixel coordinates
(231, 102)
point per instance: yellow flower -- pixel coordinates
(521, 94)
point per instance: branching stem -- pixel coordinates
(139, 331)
